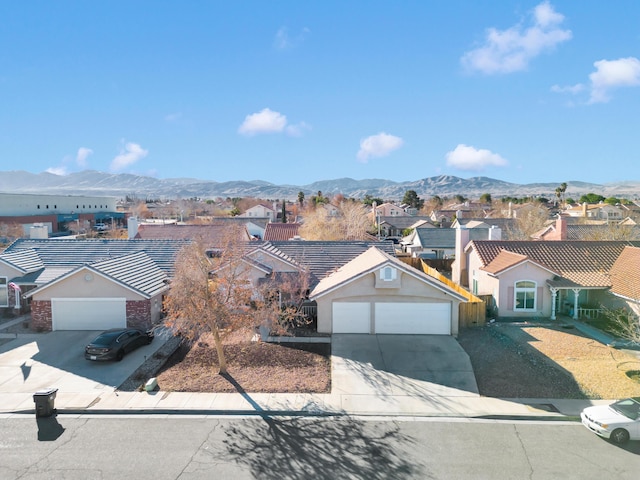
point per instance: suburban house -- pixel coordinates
(395, 226)
(429, 242)
(377, 293)
(566, 228)
(87, 284)
(598, 211)
(541, 279)
(389, 210)
(261, 210)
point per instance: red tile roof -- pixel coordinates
(280, 231)
(625, 274)
(582, 263)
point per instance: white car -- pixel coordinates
(618, 422)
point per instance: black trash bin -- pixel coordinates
(45, 402)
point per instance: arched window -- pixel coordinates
(525, 295)
(388, 274)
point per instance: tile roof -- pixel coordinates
(402, 222)
(323, 258)
(214, 234)
(136, 270)
(437, 237)
(625, 274)
(581, 263)
(280, 231)
(26, 260)
(503, 261)
(368, 261)
(69, 254)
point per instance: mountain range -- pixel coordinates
(94, 183)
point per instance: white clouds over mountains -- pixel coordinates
(129, 154)
(379, 145)
(465, 157)
(511, 50)
(269, 121)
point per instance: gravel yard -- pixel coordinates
(543, 360)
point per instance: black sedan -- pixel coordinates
(113, 344)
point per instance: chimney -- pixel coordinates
(132, 227)
(561, 227)
(584, 209)
(495, 233)
(459, 267)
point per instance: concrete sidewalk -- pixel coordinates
(167, 403)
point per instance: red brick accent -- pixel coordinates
(41, 317)
(139, 314)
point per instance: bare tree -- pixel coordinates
(624, 324)
(353, 222)
(528, 222)
(210, 293)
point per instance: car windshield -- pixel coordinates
(629, 408)
(106, 338)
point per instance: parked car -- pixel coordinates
(115, 343)
(618, 422)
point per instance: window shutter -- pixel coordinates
(510, 299)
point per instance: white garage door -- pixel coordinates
(88, 313)
(351, 317)
(416, 318)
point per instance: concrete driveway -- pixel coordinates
(38, 361)
(425, 367)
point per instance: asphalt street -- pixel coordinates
(177, 447)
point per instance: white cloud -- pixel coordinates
(283, 41)
(82, 155)
(379, 145)
(465, 157)
(511, 50)
(572, 89)
(57, 170)
(268, 121)
(129, 154)
(610, 74)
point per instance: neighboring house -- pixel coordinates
(262, 210)
(151, 230)
(394, 226)
(564, 229)
(541, 279)
(377, 293)
(87, 284)
(281, 232)
(625, 279)
(429, 242)
(389, 210)
(598, 211)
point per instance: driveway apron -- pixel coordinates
(418, 366)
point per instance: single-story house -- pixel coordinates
(87, 284)
(542, 279)
(377, 293)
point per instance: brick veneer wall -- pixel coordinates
(139, 314)
(41, 316)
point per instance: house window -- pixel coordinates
(525, 295)
(4, 292)
(388, 274)
(475, 287)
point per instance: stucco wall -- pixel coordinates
(363, 290)
(79, 285)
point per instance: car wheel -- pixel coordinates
(120, 355)
(619, 436)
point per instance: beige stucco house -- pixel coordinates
(377, 293)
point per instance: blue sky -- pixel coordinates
(295, 92)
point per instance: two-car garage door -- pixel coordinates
(88, 313)
(392, 318)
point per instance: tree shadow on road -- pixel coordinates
(321, 448)
(300, 448)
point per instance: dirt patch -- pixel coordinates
(546, 361)
(255, 367)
